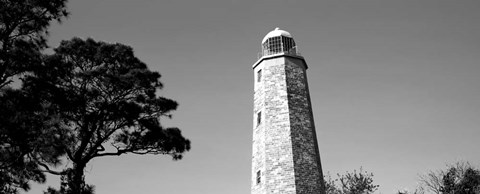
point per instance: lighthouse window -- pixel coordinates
(259, 117)
(259, 75)
(259, 175)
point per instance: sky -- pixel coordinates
(395, 85)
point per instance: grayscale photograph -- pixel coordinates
(240, 96)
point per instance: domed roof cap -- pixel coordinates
(275, 33)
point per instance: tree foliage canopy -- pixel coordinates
(89, 99)
(459, 178)
(360, 182)
(106, 100)
(26, 131)
(29, 136)
(23, 31)
(461, 181)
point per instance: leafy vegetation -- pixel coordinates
(87, 100)
(106, 101)
(26, 130)
(356, 182)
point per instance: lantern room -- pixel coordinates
(278, 41)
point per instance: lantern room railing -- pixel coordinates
(292, 51)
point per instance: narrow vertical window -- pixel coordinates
(259, 75)
(259, 118)
(259, 175)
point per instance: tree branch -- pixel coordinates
(69, 154)
(47, 169)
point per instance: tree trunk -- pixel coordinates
(76, 180)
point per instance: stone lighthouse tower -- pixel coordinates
(285, 158)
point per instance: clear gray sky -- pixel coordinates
(395, 85)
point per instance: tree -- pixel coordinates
(464, 182)
(330, 185)
(24, 135)
(107, 100)
(360, 182)
(432, 181)
(470, 182)
(459, 178)
(23, 31)
(28, 138)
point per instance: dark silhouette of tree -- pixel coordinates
(25, 130)
(470, 182)
(360, 182)
(29, 137)
(449, 179)
(467, 182)
(330, 185)
(107, 102)
(23, 30)
(459, 178)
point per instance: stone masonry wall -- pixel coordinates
(258, 148)
(308, 171)
(284, 143)
(280, 176)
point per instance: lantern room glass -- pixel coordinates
(279, 44)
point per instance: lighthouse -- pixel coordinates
(285, 154)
